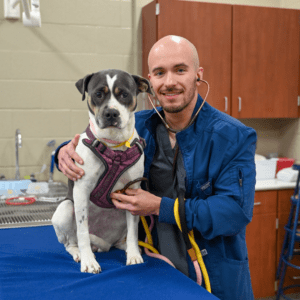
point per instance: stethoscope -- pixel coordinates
(192, 119)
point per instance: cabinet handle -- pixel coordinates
(226, 104)
(240, 104)
(257, 203)
(296, 277)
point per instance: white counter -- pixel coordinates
(273, 184)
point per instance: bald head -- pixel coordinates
(168, 44)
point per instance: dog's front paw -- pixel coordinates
(90, 265)
(74, 251)
(134, 259)
(76, 257)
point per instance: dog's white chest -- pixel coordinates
(107, 223)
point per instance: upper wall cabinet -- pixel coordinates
(208, 27)
(250, 55)
(265, 62)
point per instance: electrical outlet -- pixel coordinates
(11, 12)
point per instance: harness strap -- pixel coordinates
(122, 191)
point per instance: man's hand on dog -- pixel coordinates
(65, 158)
(137, 201)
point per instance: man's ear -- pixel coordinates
(199, 75)
(143, 85)
(82, 84)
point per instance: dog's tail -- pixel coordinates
(99, 243)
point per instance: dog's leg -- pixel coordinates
(133, 253)
(81, 200)
(65, 228)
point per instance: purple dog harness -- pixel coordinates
(116, 163)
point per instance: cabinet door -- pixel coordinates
(261, 244)
(265, 62)
(149, 38)
(208, 27)
(292, 275)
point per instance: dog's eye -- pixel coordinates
(124, 95)
(100, 94)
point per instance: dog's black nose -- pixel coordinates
(111, 114)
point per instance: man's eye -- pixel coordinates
(180, 70)
(159, 73)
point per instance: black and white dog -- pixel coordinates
(82, 222)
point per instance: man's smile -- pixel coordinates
(171, 95)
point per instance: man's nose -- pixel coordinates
(170, 79)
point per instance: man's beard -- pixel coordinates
(186, 101)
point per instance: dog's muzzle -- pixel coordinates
(111, 117)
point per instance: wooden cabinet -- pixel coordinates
(250, 55)
(261, 244)
(264, 237)
(208, 27)
(265, 62)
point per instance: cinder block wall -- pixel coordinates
(39, 68)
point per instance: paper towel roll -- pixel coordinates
(34, 21)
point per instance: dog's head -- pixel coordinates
(112, 96)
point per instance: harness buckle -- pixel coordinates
(95, 143)
(103, 148)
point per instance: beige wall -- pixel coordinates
(39, 67)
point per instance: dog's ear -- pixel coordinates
(143, 85)
(82, 84)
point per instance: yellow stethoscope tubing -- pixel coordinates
(148, 233)
(148, 245)
(195, 246)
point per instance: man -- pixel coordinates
(215, 167)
